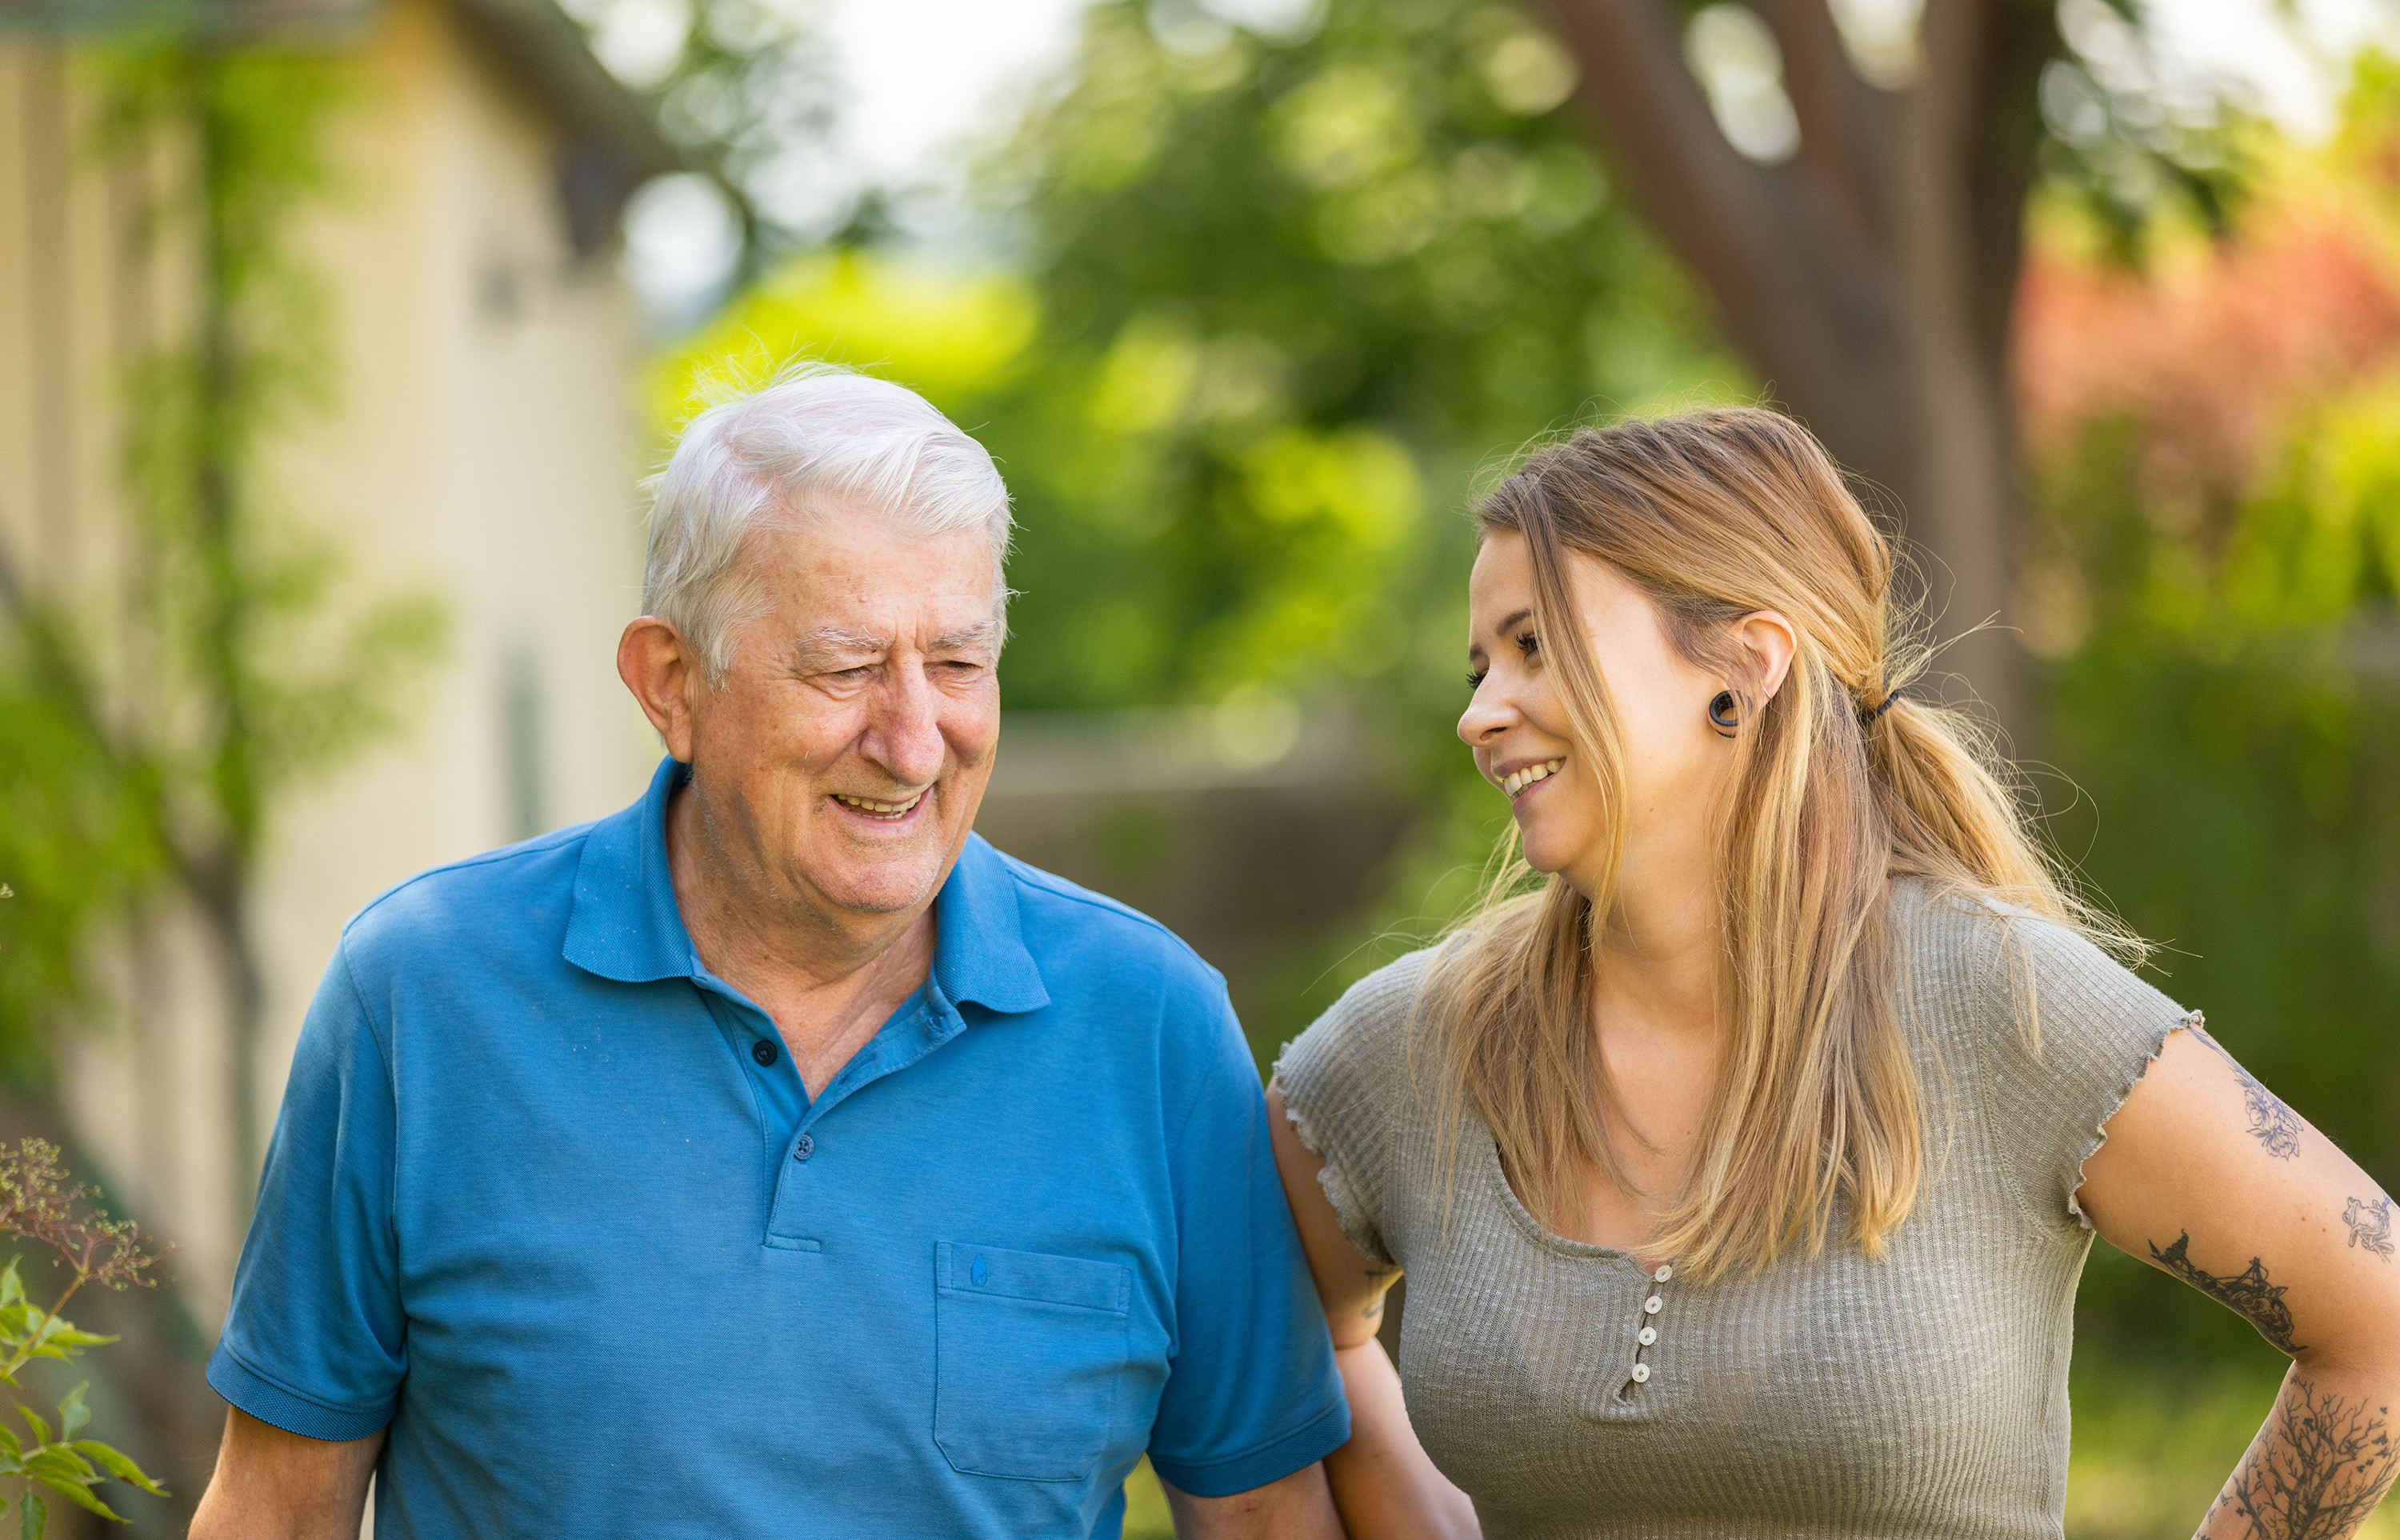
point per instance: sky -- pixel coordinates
(916, 81)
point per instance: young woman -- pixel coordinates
(1743, 1173)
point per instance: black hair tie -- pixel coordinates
(1867, 718)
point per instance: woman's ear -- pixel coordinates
(1770, 642)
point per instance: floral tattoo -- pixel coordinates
(2370, 1224)
(2272, 1123)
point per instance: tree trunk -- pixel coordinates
(1870, 278)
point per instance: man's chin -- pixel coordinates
(891, 886)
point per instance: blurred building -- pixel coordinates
(483, 438)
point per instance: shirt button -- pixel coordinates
(1649, 1334)
(764, 1052)
(803, 1147)
(1650, 1305)
(1641, 1374)
(1663, 1274)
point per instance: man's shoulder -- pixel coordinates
(459, 902)
(1064, 917)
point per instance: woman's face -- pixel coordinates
(1516, 724)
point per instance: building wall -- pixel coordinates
(482, 440)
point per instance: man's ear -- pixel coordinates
(660, 670)
(1770, 643)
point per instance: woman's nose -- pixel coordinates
(1486, 718)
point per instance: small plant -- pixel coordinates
(36, 1203)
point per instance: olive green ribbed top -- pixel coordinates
(1923, 1394)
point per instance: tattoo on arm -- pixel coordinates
(2319, 1467)
(1374, 1311)
(2247, 1292)
(2370, 1224)
(2272, 1123)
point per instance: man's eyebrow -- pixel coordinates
(965, 637)
(835, 639)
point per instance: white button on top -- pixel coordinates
(1649, 1335)
(1663, 1274)
(1650, 1305)
(1641, 1374)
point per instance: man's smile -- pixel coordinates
(882, 812)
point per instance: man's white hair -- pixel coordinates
(818, 443)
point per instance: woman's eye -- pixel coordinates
(1474, 680)
(1528, 643)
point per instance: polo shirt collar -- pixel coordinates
(979, 951)
(626, 925)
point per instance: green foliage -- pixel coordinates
(1295, 292)
(241, 598)
(149, 752)
(2232, 721)
(2132, 151)
(36, 1203)
(75, 835)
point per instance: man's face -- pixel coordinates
(843, 757)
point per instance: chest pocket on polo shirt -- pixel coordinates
(1029, 1351)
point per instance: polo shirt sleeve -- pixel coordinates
(1252, 1394)
(315, 1341)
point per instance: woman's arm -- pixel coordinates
(1383, 1482)
(2207, 1176)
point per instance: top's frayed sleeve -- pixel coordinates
(2071, 1033)
(1347, 1089)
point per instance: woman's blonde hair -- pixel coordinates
(1714, 515)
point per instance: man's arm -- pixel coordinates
(273, 1485)
(1298, 1507)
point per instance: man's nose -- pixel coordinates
(906, 735)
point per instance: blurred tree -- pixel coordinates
(2214, 586)
(1853, 196)
(1295, 290)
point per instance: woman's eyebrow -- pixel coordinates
(1510, 623)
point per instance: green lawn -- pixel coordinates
(1146, 1515)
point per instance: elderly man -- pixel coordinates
(776, 1157)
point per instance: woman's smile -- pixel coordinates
(1517, 782)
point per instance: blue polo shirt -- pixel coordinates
(548, 1201)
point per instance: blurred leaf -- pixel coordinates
(33, 1516)
(118, 1464)
(73, 1415)
(60, 1472)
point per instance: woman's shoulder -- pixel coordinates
(1977, 940)
(2013, 978)
(1357, 1052)
(1374, 1015)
